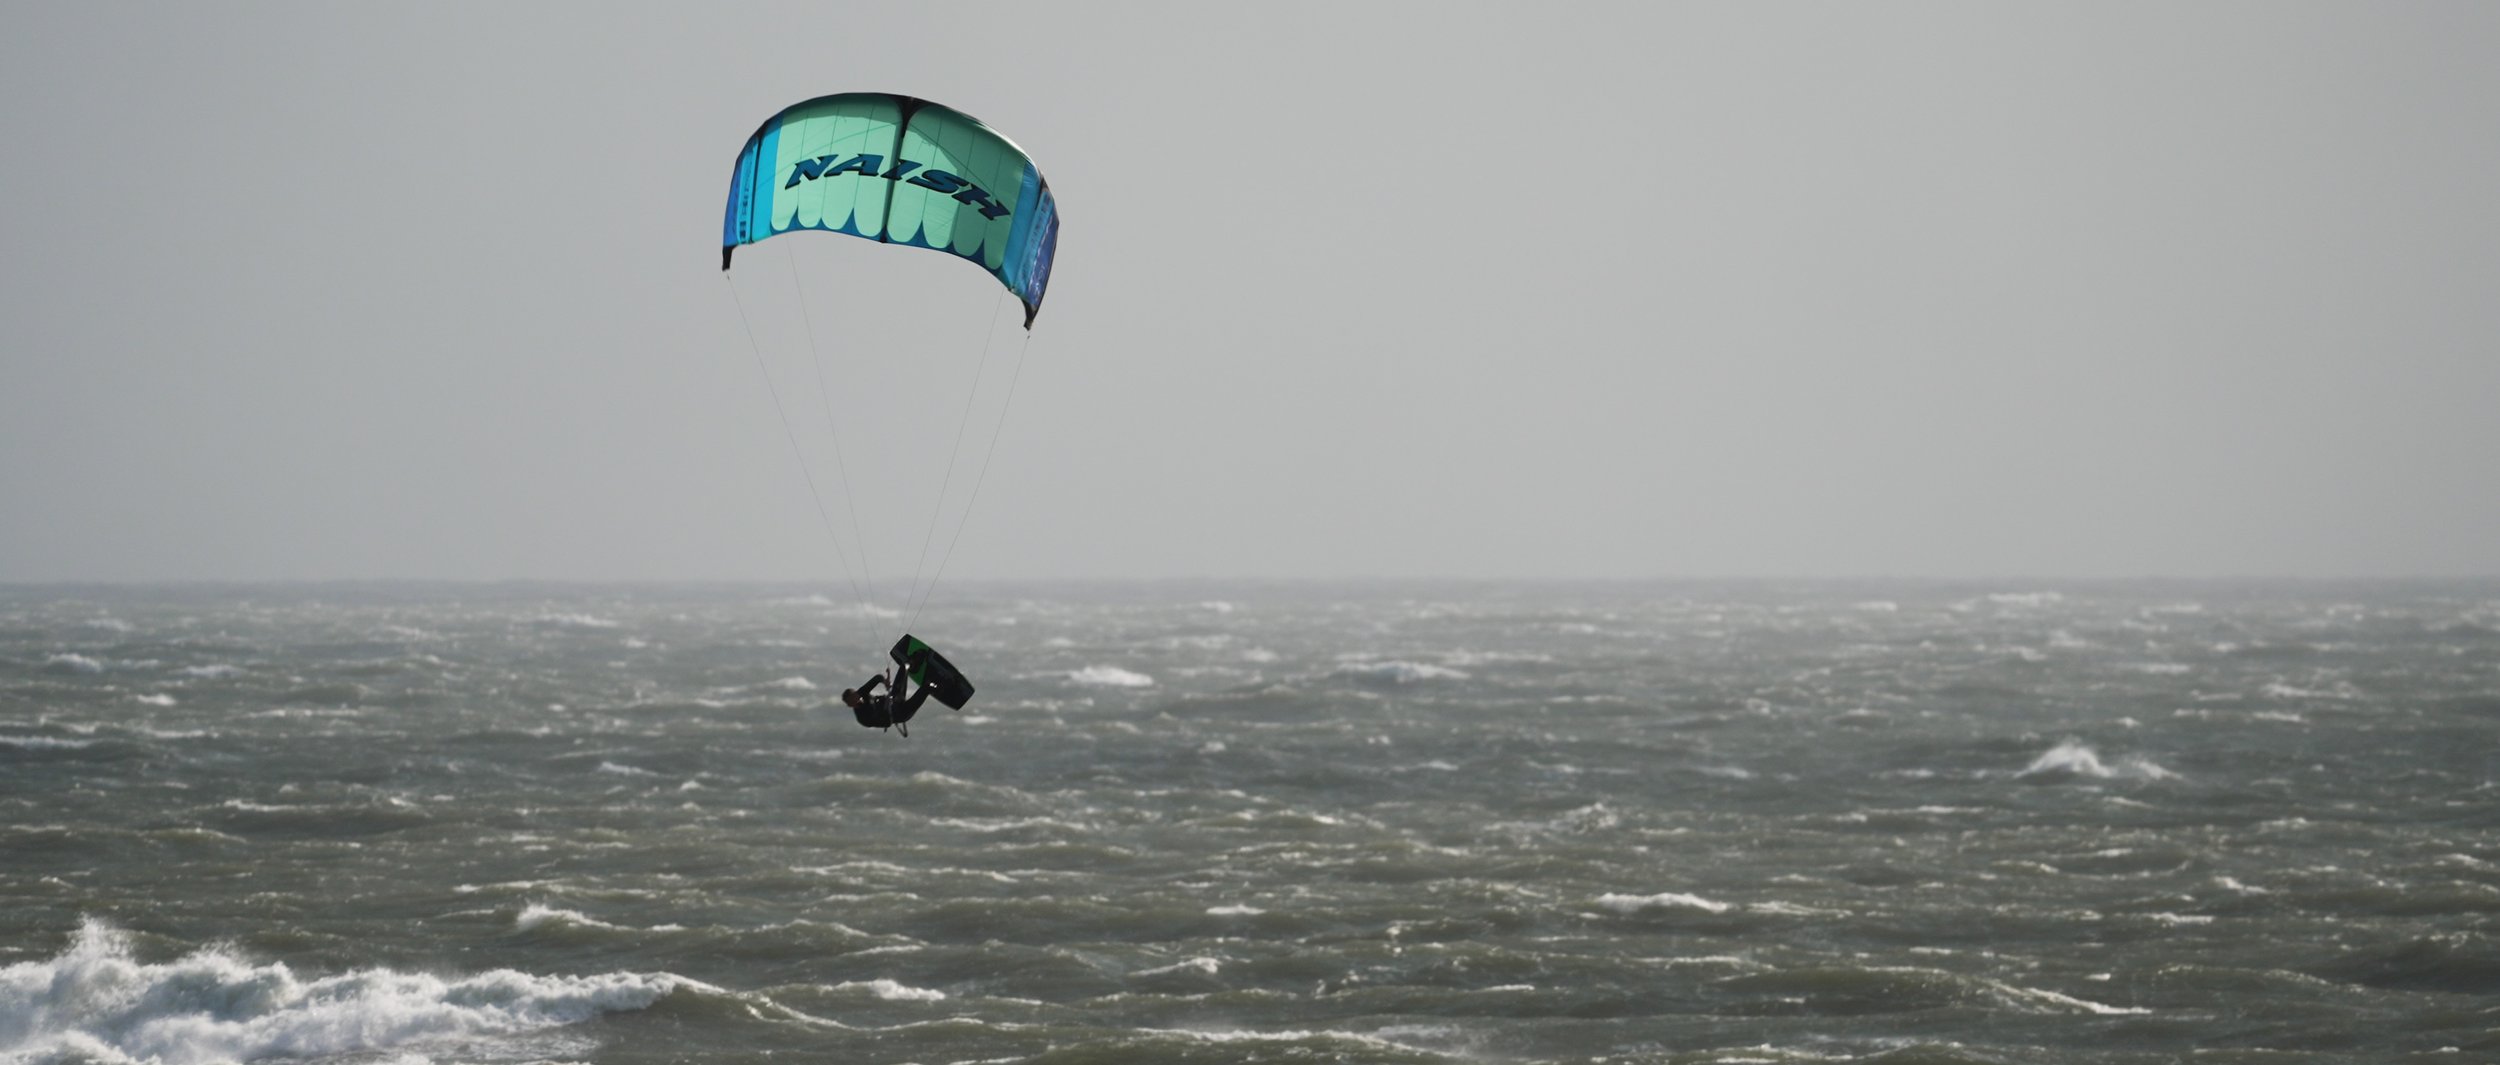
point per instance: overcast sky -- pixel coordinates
(1343, 290)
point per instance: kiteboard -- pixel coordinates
(927, 667)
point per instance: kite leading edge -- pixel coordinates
(897, 170)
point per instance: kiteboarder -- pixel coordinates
(882, 711)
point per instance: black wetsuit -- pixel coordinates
(882, 710)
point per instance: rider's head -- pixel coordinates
(850, 698)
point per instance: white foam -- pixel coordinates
(43, 743)
(577, 621)
(795, 684)
(74, 662)
(2071, 758)
(625, 770)
(891, 991)
(1110, 677)
(534, 916)
(1198, 965)
(158, 699)
(2279, 690)
(2060, 1001)
(1466, 659)
(2176, 919)
(1235, 910)
(95, 1002)
(213, 671)
(1665, 900)
(2026, 599)
(1400, 672)
(1590, 818)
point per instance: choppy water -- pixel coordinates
(1669, 823)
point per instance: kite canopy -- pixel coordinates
(897, 170)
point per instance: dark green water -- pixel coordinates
(1663, 823)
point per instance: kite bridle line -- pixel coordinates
(918, 597)
(995, 432)
(798, 454)
(833, 425)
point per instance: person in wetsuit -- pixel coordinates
(884, 710)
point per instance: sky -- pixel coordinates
(1343, 290)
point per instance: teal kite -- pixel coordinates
(898, 170)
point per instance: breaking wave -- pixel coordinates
(96, 1002)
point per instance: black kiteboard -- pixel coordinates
(928, 667)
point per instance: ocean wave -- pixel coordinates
(535, 916)
(1665, 900)
(97, 1002)
(2026, 599)
(623, 770)
(890, 991)
(2072, 760)
(212, 671)
(72, 662)
(1200, 966)
(44, 743)
(1395, 672)
(1109, 677)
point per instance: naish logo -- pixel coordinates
(937, 181)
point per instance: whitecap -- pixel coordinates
(1665, 900)
(1110, 677)
(1199, 965)
(1396, 672)
(73, 662)
(43, 743)
(2026, 599)
(891, 991)
(96, 1001)
(536, 915)
(2061, 1001)
(2073, 759)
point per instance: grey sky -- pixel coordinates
(346, 290)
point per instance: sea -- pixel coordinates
(1899, 822)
